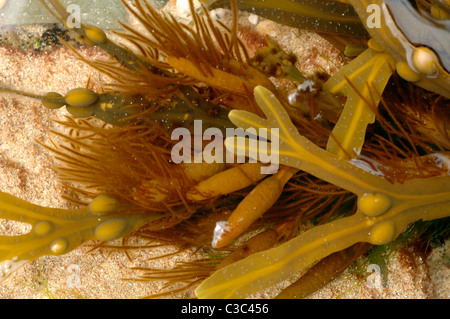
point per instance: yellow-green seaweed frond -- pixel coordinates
(384, 209)
(328, 16)
(58, 231)
(362, 81)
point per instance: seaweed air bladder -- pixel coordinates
(363, 153)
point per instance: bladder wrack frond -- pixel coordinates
(384, 209)
(58, 231)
